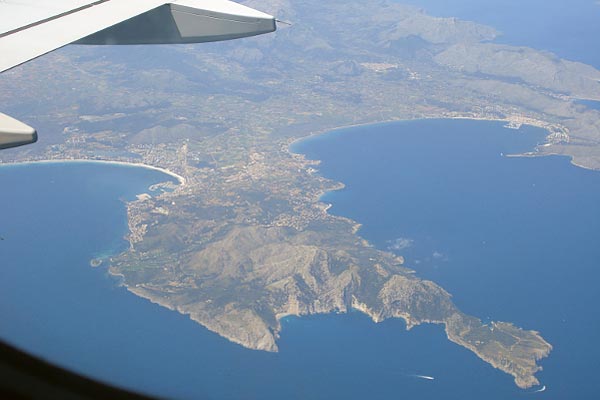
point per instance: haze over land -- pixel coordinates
(246, 241)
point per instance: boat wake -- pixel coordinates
(426, 377)
(542, 389)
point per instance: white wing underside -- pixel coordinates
(31, 28)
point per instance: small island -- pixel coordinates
(96, 262)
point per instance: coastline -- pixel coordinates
(518, 120)
(340, 185)
(510, 119)
(140, 292)
(179, 178)
(523, 379)
(553, 154)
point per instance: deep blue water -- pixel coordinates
(568, 28)
(514, 239)
(56, 217)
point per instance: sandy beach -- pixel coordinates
(180, 178)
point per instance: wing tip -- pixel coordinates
(14, 133)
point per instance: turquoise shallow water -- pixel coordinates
(440, 184)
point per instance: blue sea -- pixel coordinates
(513, 239)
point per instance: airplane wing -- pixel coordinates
(31, 28)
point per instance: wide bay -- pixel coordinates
(512, 238)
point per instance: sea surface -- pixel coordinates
(568, 28)
(513, 239)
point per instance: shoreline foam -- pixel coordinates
(165, 171)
